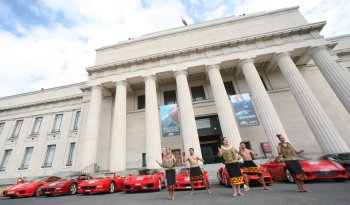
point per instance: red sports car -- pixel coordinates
(103, 182)
(183, 180)
(224, 178)
(144, 179)
(31, 188)
(67, 185)
(314, 169)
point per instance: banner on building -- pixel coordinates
(170, 120)
(244, 110)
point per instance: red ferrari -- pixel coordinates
(103, 182)
(224, 178)
(31, 188)
(183, 180)
(144, 179)
(67, 185)
(314, 169)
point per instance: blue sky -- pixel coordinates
(49, 43)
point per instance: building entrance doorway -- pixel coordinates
(209, 133)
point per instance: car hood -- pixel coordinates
(141, 177)
(23, 186)
(319, 165)
(94, 182)
(55, 184)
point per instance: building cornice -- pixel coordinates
(224, 47)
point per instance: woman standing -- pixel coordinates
(289, 155)
(231, 158)
(168, 163)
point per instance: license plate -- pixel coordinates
(188, 187)
(138, 184)
(87, 190)
(139, 178)
(187, 179)
(11, 192)
(47, 192)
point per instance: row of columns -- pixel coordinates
(324, 130)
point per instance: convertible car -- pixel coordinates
(31, 188)
(224, 178)
(144, 179)
(103, 182)
(183, 180)
(341, 158)
(68, 185)
(314, 169)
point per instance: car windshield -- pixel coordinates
(143, 172)
(39, 179)
(344, 156)
(104, 175)
(280, 158)
(71, 177)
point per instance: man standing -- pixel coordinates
(195, 171)
(249, 167)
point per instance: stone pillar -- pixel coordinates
(223, 105)
(188, 122)
(267, 113)
(337, 76)
(89, 148)
(153, 143)
(324, 130)
(117, 158)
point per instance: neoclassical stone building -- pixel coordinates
(298, 82)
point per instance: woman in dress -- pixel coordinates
(168, 163)
(231, 158)
(289, 155)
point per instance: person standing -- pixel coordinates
(195, 170)
(249, 167)
(231, 157)
(168, 162)
(289, 154)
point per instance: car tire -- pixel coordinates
(159, 185)
(289, 176)
(73, 189)
(37, 192)
(111, 188)
(339, 180)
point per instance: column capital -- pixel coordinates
(150, 77)
(121, 82)
(213, 66)
(96, 87)
(315, 49)
(180, 72)
(279, 55)
(244, 61)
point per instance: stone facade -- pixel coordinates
(277, 57)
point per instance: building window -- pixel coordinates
(143, 159)
(141, 102)
(50, 153)
(37, 124)
(70, 154)
(77, 120)
(57, 124)
(198, 93)
(26, 158)
(230, 90)
(2, 124)
(17, 129)
(169, 97)
(262, 80)
(5, 160)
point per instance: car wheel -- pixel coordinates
(111, 188)
(37, 192)
(225, 180)
(73, 189)
(159, 185)
(289, 176)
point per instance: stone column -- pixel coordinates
(188, 123)
(89, 148)
(337, 76)
(224, 108)
(153, 143)
(267, 113)
(324, 130)
(117, 158)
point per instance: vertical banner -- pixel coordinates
(170, 120)
(244, 110)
